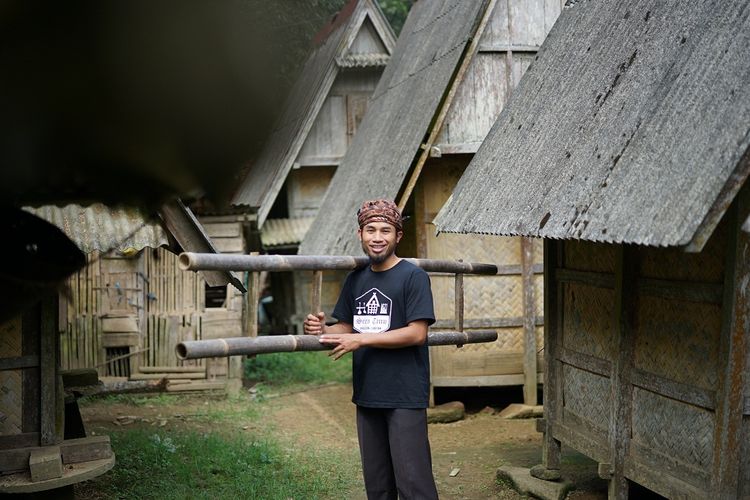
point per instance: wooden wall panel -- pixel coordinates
(588, 396)
(679, 341)
(673, 429)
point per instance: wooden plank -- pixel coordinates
(120, 339)
(681, 290)
(172, 369)
(71, 450)
(529, 323)
(119, 324)
(13, 441)
(479, 380)
(590, 446)
(668, 467)
(197, 386)
(222, 229)
(48, 372)
(485, 323)
(659, 473)
(85, 449)
(551, 450)
(585, 361)
(229, 245)
(19, 362)
(674, 390)
(601, 280)
(168, 376)
(622, 390)
(734, 360)
(30, 327)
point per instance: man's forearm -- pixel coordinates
(339, 327)
(413, 334)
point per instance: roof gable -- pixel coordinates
(266, 176)
(429, 49)
(632, 126)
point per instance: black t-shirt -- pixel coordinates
(375, 302)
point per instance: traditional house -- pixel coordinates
(627, 148)
(286, 183)
(453, 70)
(125, 311)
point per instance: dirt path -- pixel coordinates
(324, 418)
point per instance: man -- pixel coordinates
(384, 311)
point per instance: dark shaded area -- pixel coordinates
(477, 398)
(138, 101)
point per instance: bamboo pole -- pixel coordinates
(190, 261)
(289, 343)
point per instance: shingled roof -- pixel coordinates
(430, 46)
(267, 174)
(632, 126)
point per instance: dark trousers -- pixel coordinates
(395, 453)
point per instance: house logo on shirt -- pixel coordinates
(372, 312)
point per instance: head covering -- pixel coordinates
(380, 211)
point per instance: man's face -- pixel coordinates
(379, 240)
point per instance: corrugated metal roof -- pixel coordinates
(428, 51)
(98, 227)
(283, 232)
(266, 175)
(363, 60)
(632, 126)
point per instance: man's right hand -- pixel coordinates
(315, 324)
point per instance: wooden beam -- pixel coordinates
(585, 361)
(674, 390)
(20, 362)
(733, 355)
(445, 105)
(529, 323)
(552, 342)
(484, 323)
(458, 296)
(48, 372)
(621, 388)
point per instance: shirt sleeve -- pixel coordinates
(343, 310)
(419, 298)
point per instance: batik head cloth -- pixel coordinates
(380, 211)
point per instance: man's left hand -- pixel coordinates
(343, 343)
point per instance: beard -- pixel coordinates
(381, 257)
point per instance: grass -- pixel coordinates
(202, 457)
(190, 464)
(298, 368)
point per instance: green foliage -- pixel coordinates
(396, 11)
(189, 464)
(289, 368)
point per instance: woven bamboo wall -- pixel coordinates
(677, 325)
(11, 381)
(489, 301)
(167, 303)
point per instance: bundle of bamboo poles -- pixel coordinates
(194, 349)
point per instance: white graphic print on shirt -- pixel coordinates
(372, 312)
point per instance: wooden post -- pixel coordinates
(620, 380)
(733, 361)
(251, 319)
(316, 291)
(48, 361)
(529, 323)
(458, 292)
(552, 340)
